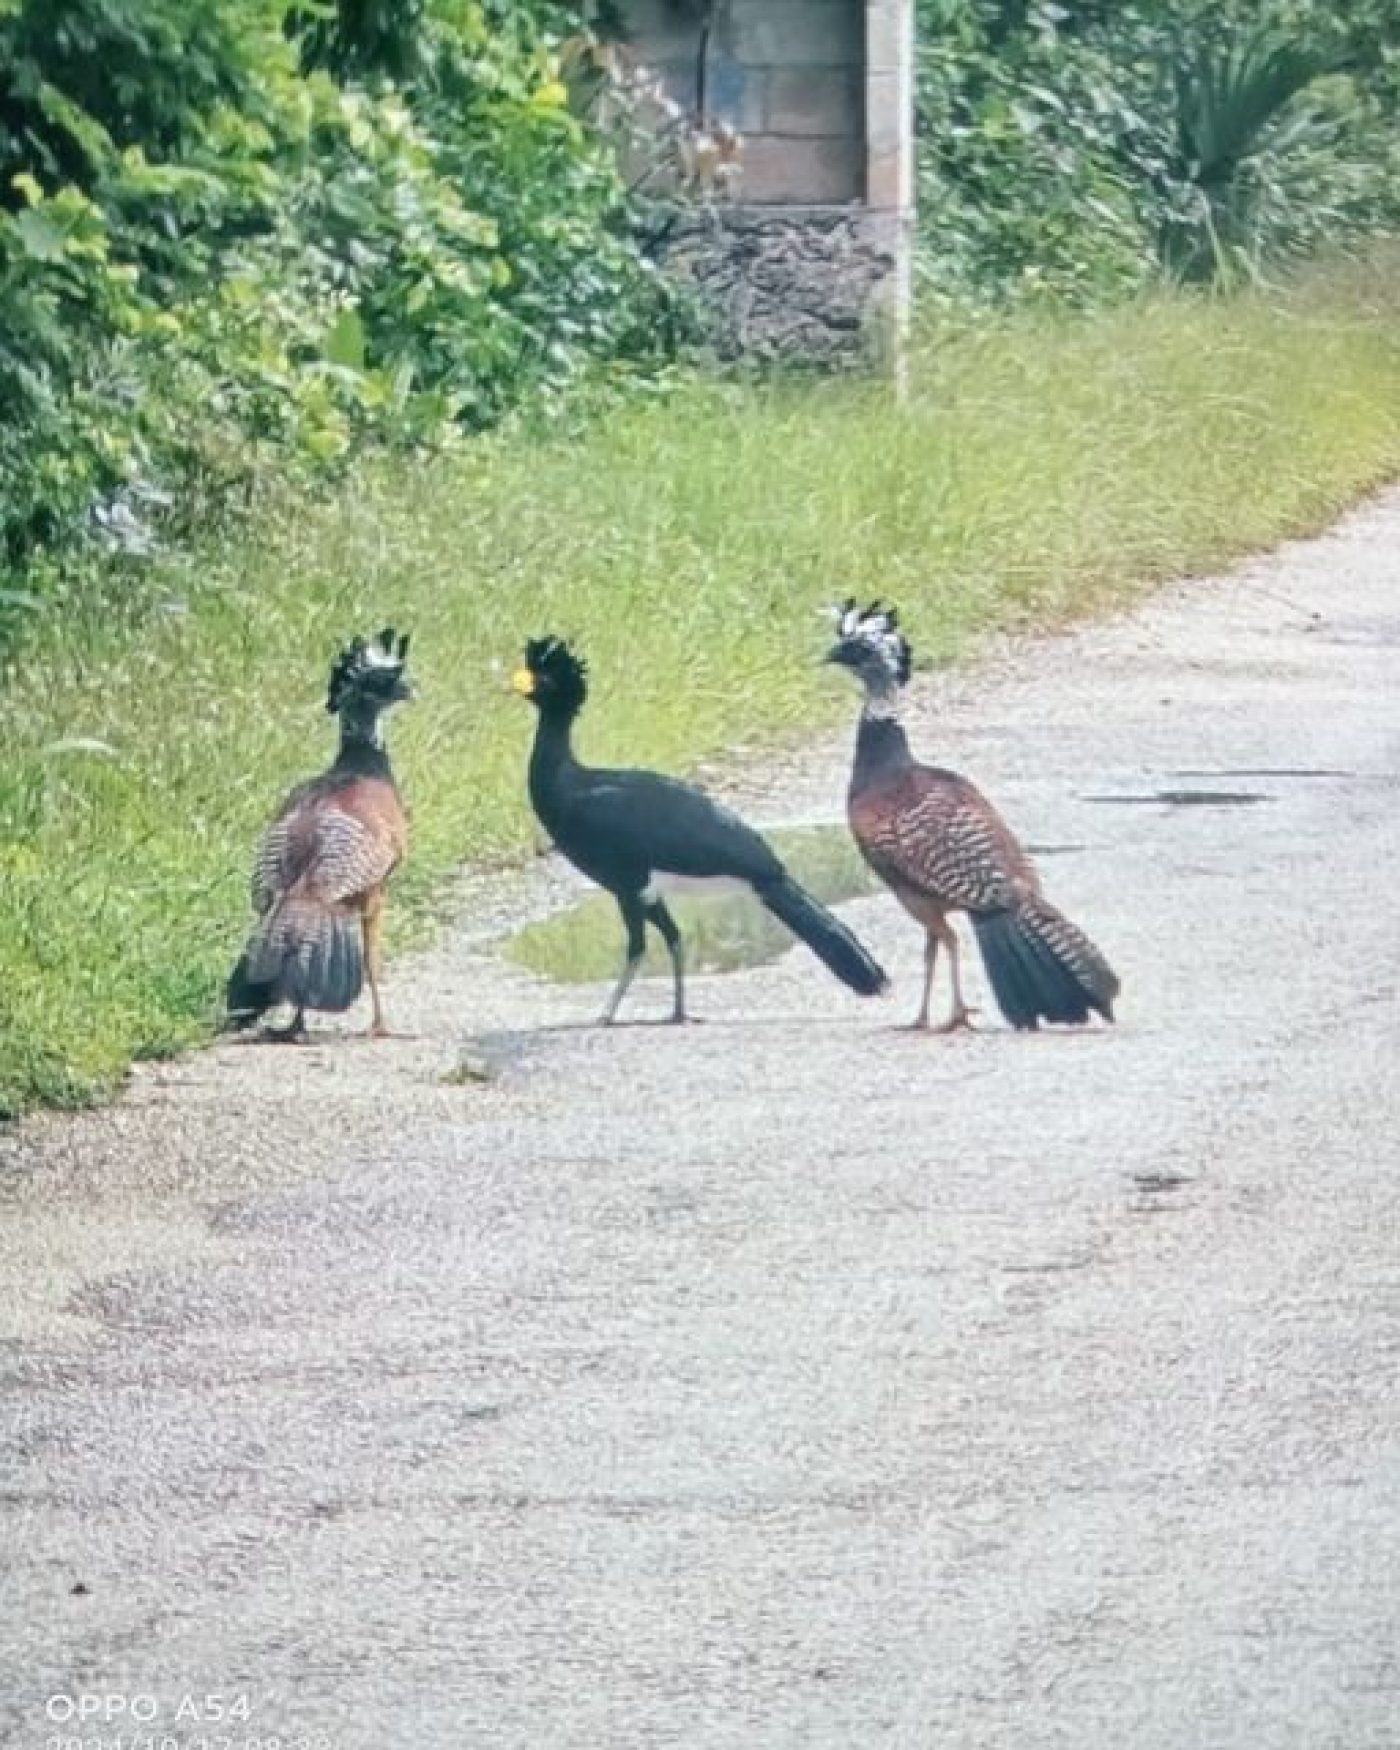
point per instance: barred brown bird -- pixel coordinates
(941, 847)
(320, 873)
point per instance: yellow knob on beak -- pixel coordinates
(523, 682)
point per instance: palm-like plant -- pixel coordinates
(1240, 124)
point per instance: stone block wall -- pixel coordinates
(789, 74)
(810, 259)
(797, 285)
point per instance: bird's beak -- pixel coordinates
(523, 682)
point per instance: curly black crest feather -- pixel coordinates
(876, 629)
(561, 675)
(372, 666)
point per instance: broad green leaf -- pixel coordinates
(345, 343)
(39, 237)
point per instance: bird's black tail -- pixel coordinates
(306, 953)
(1042, 967)
(246, 1001)
(827, 937)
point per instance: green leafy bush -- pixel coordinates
(232, 230)
(1082, 148)
(1023, 188)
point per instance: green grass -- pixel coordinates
(1039, 469)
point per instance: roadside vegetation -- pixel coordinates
(1043, 466)
(1087, 149)
(314, 318)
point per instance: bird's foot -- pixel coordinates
(294, 1033)
(959, 1021)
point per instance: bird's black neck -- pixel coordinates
(362, 750)
(881, 744)
(552, 759)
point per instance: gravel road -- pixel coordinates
(786, 1381)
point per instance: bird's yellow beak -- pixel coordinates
(523, 682)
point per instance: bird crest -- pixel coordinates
(554, 675)
(876, 628)
(369, 665)
(553, 655)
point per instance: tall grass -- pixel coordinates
(1038, 469)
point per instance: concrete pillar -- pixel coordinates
(890, 160)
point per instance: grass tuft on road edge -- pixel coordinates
(1041, 468)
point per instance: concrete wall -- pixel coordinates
(811, 260)
(804, 285)
(789, 74)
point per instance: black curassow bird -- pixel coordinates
(941, 847)
(318, 880)
(635, 833)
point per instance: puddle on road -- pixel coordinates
(583, 945)
(1156, 1193)
(1268, 772)
(1157, 1184)
(1197, 796)
(1186, 798)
